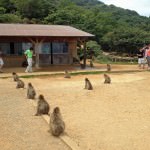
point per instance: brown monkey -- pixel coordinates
(15, 76)
(91, 63)
(30, 91)
(20, 84)
(82, 66)
(108, 67)
(57, 125)
(67, 74)
(107, 79)
(42, 107)
(88, 84)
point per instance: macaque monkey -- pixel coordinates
(57, 125)
(15, 76)
(30, 91)
(88, 84)
(107, 79)
(43, 106)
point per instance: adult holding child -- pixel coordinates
(29, 55)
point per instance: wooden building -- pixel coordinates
(53, 44)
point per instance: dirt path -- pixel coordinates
(111, 117)
(19, 128)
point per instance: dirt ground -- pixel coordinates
(111, 117)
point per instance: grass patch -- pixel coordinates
(77, 73)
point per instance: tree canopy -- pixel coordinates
(115, 28)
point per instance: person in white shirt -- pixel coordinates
(1, 62)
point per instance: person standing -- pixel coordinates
(141, 59)
(29, 54)
(1, 62)
(147, 55)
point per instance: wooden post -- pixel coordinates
(84, 52)
(38, 46)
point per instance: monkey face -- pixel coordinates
(86, 79)
(56, 110)
(41, 96)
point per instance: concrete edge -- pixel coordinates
(65, 138)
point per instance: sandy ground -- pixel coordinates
(111, 117)
(19, 128)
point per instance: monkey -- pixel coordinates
(57, 125)
(15, 76)
(107, 79)
(82, 66)
(91, 63)
(88, 84)
(43, 106)
(20, 84)
(108, 67)
(30, 91)
(67, 74)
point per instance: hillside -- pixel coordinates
(114, 28)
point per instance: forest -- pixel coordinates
(115, 29)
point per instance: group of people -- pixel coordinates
(144, 57)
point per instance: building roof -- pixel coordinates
(41, 30)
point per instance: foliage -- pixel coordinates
(95, 47)
(10, 18)
(115, 29)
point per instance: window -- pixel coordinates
(59, 48)
(46, 48)
(14, 48)
(5, 47)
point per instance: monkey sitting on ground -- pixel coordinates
(30, 91)
(15, 76)
(67, 74)
(108, 67)
(107, 79)
(42, 107)
(57, 125)
(20, 84)
(88, 84)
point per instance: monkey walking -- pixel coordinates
(57, 125)
(15, 76)
(20, 84)
(43, 106)
(88, 84)
(30, 91)
(67, 74)
(107, 79)
(108, 67)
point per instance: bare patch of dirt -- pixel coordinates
(111, 117)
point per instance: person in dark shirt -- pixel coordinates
(141, 58)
